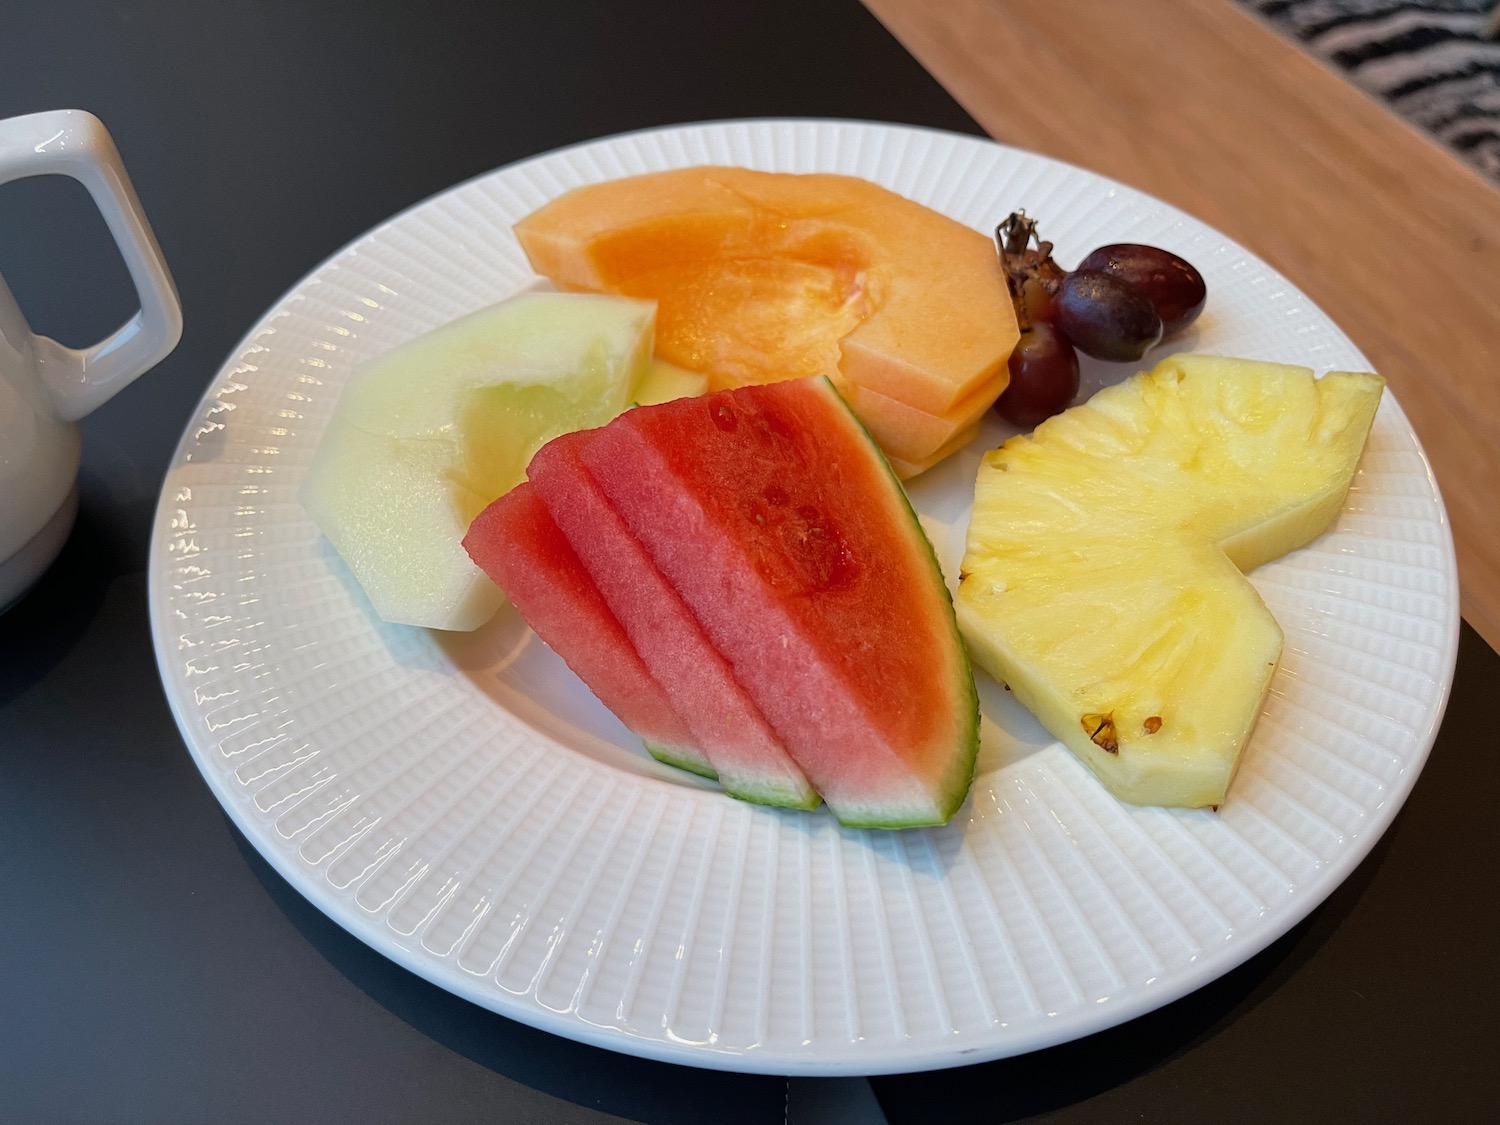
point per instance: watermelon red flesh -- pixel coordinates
(516, 543)
(750, 760)
(782, 528)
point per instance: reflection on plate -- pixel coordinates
(467, 808)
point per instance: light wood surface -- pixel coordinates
(1202, 105)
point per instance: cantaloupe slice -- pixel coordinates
(764, 276)
(905, 470)
(915, 436)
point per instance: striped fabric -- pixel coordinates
(1437, 62)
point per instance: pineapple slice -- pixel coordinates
(1103, 574)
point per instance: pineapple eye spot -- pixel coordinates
(1101, 732)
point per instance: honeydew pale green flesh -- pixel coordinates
(1103, 575)
(424, 437)
(664, 382)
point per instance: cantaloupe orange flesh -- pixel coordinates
(761, 277)
(916, 436)
(905, 470)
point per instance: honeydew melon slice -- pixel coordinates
(427, 435)
(665, 381)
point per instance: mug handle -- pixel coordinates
(72, 142)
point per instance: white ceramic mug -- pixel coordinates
(46, 387)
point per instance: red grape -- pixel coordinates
(1169, 282)
(1035, 290)
(1105, 317)
(1043, 377)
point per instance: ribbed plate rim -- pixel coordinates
(309, 882)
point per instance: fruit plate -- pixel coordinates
(464, 806)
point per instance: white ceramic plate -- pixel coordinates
(469, 810)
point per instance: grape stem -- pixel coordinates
(1023, 318)
(1014, 239)
(1017, 233)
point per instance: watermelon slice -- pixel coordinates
(780, 525)
(751, 762)
(516, 543)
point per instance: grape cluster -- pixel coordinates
(1121, 301)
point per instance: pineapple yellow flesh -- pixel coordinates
(1103, 580)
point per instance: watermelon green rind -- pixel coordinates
(690, 761)
(877, 706)
(775, 796)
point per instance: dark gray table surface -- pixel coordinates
(153, 968)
